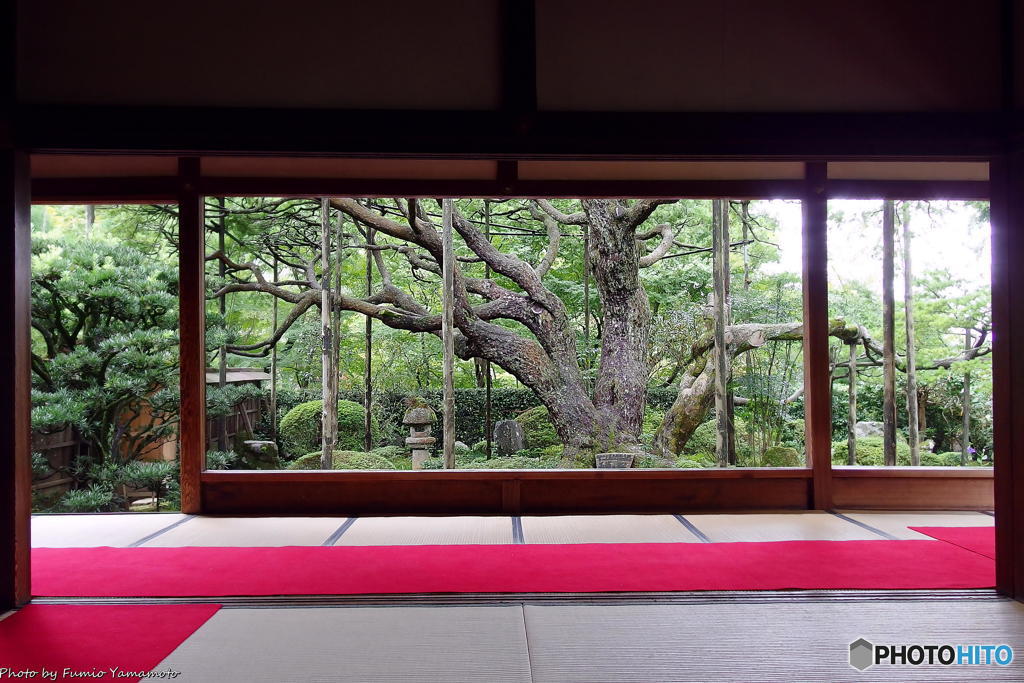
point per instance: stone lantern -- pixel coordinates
(418, 417)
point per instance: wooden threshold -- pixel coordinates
(587, 491)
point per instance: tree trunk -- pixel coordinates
(620, 391)
(888, 334)
(368, 362)
(222, 305)
(908, 307)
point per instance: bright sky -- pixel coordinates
(946, 239)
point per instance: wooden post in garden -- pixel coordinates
(222, 369)
(273, 369)
(448, 333)
(965, 405)
(748, 360)
(908, 308)
(368, 363)
(888, 333)
(586, 301)
(488, 415)
(720, 270)
(329, 417)
(851, 409)
(730, 403)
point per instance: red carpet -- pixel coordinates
(977, 539)
(138, 572)
(88, 638)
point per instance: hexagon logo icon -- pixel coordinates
(862, 654)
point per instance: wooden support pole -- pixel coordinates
(448, 333)
(817, 369)
(488, 414)
(273, 366)
(908, 308)
(586, 301)
(1008, 369)
(368, 362)
(720, 271)
(965, 406)
(192, 330)
(888, 332)
(15, 386)
(222, 307)
(851, 408)
(730, 399)
(328, 416)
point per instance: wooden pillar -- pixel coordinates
(965, 407)
(817, 371)
(15, 428)
(1007, 208)
(192, 326)
(888, 332)
(273, 367)
(448, 334)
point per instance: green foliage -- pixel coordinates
(343, 460)
(104, 347)
(537, 428)
(96, 498)
(870, 452)
(221, 460)
(154, 476)
(510, 462)
(300, 428)
(392, 453)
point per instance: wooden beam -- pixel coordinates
(192, 130)
(192, 328)
(1008, 369)
(15, 395)
(817, 375)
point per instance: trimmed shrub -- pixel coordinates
(781, 456)
(537, 428)
(870, 452)
(392, 453)
(343, 460)
(300, 428)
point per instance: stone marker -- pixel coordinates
(508, 437)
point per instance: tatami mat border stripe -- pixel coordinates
(505, 599)
(517, 531)
(862, 525)
(160, 532)
(339, 532)
(693, 529)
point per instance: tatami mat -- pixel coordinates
(606, 529)
(896, 523)
(776, 526)
(429, 644)
(748, 642)
(88, 531)
(428, 531)
(249, 531)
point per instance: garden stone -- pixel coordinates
(509, 437)
(260, 455)
(864, 429)
(615, 460)
(461, 447)
(419, 417)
